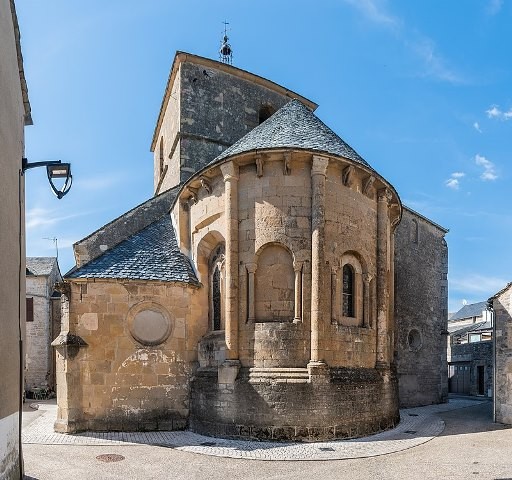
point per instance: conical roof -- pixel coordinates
(293, 126)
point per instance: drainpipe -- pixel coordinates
(490, 307)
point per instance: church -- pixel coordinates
(274, 287)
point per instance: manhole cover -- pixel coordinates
(109, 457)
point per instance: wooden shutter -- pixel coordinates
(30, 310)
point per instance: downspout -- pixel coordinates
(490, 308)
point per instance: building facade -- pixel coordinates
(502, 306)
(14, 115)
(254, 295)
(42, 322)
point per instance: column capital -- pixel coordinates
(251, 267)
(229, 171)
(297, 266)
(367, 278)
(319, 165)
(384, 195)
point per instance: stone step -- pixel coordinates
(279, 375)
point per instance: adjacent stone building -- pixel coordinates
(43, 321)
(501, 303)
(14, 115)
(254, 296)
(470, 350)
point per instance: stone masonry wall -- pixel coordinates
(206, 113)
(344, 407)
(126, 384)
(421, 259)
(478, 354)
(503, 317)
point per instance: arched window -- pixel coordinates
(348, 291)
(266, 111)
(414, 231)
(215, 277)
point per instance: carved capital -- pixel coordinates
(297, 266)
(229, 171)
(367, 278)
(251, 267)
(319, 165)
(286, 163)
(384, 195)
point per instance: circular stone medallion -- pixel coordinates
(149, 324)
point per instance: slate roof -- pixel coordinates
(40, 265)
(150, 254)
(456, 330)
(468, 311)
(293, 126)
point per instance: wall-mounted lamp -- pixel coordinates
(54, 169)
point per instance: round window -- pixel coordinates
(414, 339)
(149, 324)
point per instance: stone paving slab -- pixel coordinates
(417, 426)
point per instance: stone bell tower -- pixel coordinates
(208, 106)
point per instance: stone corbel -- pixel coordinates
(259, 165)
(367, 185)
(347, 176)
(205, 183)
(286, 163)
(193, 193)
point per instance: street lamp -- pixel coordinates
(54, 169)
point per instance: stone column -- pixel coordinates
(383, 283)
(297, 268)
(334, 295)
(251, 269)
(318, 174)
(230, 173)
(367, 278)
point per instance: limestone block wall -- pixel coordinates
(421, 265)
(37, 353)
(14, 114)
(502, 304)
(141, 352)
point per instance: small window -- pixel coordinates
(161, 155)
(474, 337)
(348, 291)
(30, 310)
(266, 111)
(414, 231)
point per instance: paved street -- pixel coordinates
(470, 446)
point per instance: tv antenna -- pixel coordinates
(226, 52)
(55, 242)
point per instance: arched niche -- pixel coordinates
(274, 285)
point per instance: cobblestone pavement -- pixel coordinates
(417, 426)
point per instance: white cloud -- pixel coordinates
(477, 284)
(494, 6)
(489, 172)
(495, 112)
(453, 182)
(434, 65)
(374, 11)
(42, 217)
(476, 126)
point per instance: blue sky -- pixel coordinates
(422, 90)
